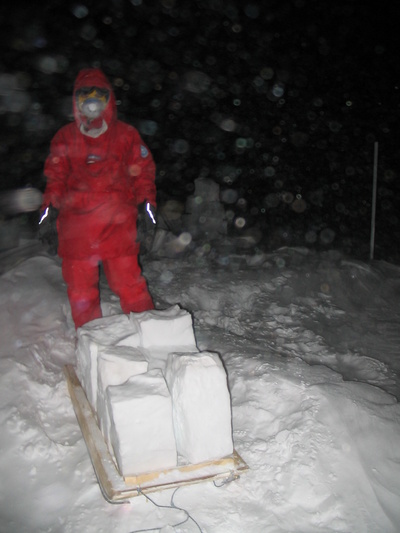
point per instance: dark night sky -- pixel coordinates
(270, 98)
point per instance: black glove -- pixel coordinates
(146, 226)
(47, 232)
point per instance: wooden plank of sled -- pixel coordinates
(231, 464)
(116, 488)
(107, 475)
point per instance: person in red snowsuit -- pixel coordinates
(98, 172)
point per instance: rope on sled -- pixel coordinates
(171, 506)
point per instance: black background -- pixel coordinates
(281, 102)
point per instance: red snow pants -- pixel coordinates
(124, 277)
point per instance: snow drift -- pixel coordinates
(310, 343)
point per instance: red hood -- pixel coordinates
(94, 77)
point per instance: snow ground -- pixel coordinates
(311, 344)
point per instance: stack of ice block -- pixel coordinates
(155, 395)
(201, 406)
(115, 365)
(163, 332)
(142, 434)
(115, 330)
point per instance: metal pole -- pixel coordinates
(373, 213)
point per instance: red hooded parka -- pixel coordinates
(97, 183)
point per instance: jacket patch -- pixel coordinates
(143, 151)
(92, 158)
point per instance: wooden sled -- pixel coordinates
(117, 488)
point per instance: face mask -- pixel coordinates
(92, 101)
(92, 108)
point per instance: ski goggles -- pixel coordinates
(98, 93)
